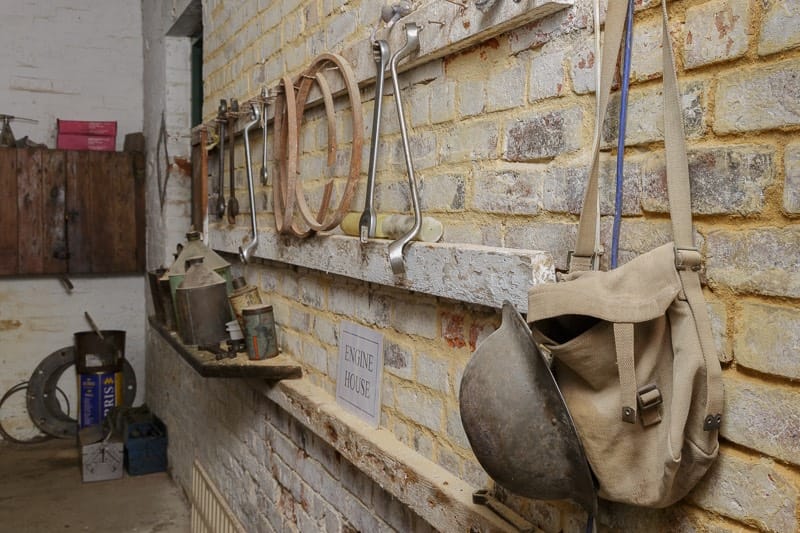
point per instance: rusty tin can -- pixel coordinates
(259, 330)
(243, 295)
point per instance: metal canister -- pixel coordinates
(98, 362)
(201, 304)
(194, 247)
(260, 337)
(243, 295)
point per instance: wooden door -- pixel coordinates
(70, 211)
(9, 263)
(106, 213)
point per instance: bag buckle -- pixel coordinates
(688, 258)
(590, 262)
(649, 399)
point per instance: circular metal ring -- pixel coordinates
(43, 405)
(7, 436)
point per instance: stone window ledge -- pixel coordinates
(469, 273)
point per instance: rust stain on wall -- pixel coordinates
(184, 165)
(9, 325)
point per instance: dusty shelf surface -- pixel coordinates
(470, 273)
(207, 365)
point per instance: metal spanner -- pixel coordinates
(368, 220)
(233, 203)
(244, 253)
(264, 174)
(221, 121)
(396, 247)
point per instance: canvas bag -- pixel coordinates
(633, 351)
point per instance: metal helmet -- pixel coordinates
(517, 421)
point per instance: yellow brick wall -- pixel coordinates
(501, 136)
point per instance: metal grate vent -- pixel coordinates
(210, 511)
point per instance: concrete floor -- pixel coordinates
(41, 491)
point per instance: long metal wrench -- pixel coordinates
(368, 221)
(244, 253)
(264, 173)
(221, 119)
(233, 203)
(396, 247)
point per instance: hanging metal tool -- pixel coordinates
(233, 203)
(396, 248)
(222, 119)
(162, 143)
(244, 253)
(380, 53)
(6, 135)
(264, 173)
(623, 119)
(390, 14)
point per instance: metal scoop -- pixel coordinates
(244, 253)
(368, 221)
(396, 247)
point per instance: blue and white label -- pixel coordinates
(98, 394)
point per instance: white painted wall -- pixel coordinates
(38, 316)
(72, 59)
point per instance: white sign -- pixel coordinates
(358, 383)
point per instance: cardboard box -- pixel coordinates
(101, 458)
(71, 141)
(84, 127)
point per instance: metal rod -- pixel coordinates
(623, 119)
(93, 325)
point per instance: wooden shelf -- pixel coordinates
(206, 364)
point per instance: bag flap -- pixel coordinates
(639, 290)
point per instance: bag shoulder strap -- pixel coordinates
(687, 257)
(587, 245)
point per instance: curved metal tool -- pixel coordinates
(366, 225)
(233, 203)
(396, 247)
(221, 120)
(264, 173)
(244, 253)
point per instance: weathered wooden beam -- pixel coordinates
(465, 272)
(436, 495)
(206, 364)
